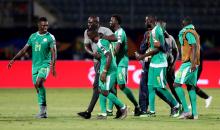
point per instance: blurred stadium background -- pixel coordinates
(68, 19)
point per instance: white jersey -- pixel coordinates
(172, 46)
(105, 31)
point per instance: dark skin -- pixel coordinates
(93, 23)
(95, 38)
(150, 22)
(42, 29)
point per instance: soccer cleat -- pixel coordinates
(208, 102)
(109, 113)
(151, 114)
(185, 115)
(144, 114)
(193, 117)
(124, 113)
(175, 112)
(84, 115)
(137, 111)
(41, 115)
(118, 114)
(101, 117)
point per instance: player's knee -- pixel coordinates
(105, 92)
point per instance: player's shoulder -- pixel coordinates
(103, 29)
(50, 35)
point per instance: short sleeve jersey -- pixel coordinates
(41, 45)
(159, 59)
(122, 56)
(103, 48)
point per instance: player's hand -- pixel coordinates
(192, 67)
(10, 64)
(54, 73)
(103, 77)
(96, 55)
(138, 56)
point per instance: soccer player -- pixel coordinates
(43, 47)
(143, 90)
(91, 48)
(107, 77)
(120, 50)
(187, 73)
(158, 66)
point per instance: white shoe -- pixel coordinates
(208, 102)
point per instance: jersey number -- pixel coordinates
(37, 47)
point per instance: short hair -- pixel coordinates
(152, 17)
(96, 18)
(188, 20)
(44, 19)
(118, 18)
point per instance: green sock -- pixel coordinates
(168, 95)
(115, 100)
(151, 98)
(130, 96)
(192, 96)
(110, 105)
(181, 95)
(42, 96)
(102, 101)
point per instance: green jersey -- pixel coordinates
(103, 48)
(122, 56)
(41, 44)
(159, 59)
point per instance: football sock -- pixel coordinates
(181, 95)
(102, 100)
(168, 95)
(130, 96)
(42, 96)
(115, 100)
(151, 97)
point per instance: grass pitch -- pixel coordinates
(19, 106)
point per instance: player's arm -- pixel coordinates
(150, 53)
(110, 38)
(108, 35)
(107, 65)
(53, 60)
(175, 50)
(192, 42)
(18, 55)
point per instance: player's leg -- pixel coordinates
(111, 104)
(151, 89)
(41, 77)
(105, 87)
(143, 93)
(122, 80)
(180, 78)
(95, 95)
(170, 80)
(199, 91)
(191, 80)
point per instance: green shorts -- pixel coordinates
(122, 73)
(157, 77)
(110, 81)
(41, 72)
(184, 76)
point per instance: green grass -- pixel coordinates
(18, 107)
